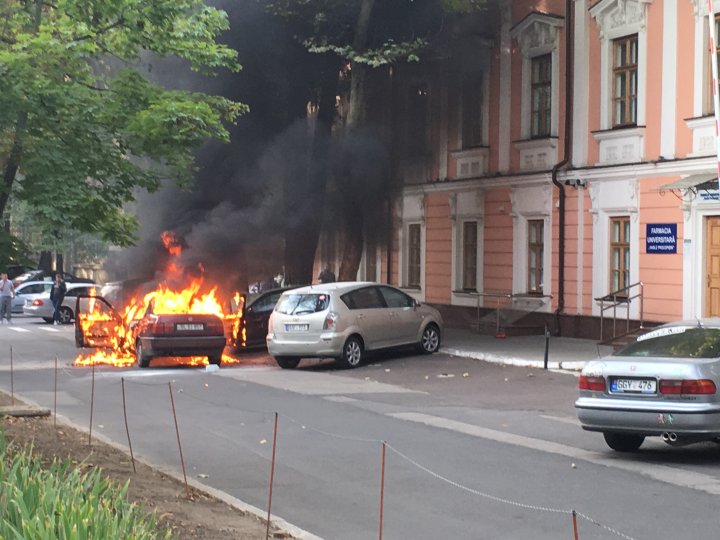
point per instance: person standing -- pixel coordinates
(327, 275)
(57, 293)
(7, 293)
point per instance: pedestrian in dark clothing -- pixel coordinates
(327, 275)
(57, 293)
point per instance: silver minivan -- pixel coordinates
(343, 320)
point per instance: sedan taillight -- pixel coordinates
(37, 302)
(595, 384)
(330, 321)
(680, 386)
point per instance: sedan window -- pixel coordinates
(676, 342)
(298, 304)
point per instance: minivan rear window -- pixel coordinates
(298, 304)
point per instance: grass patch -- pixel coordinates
(60, 501)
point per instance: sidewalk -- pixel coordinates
(564, 353)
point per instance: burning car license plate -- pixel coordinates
(296, 327)
(189, 326)
(637, 386)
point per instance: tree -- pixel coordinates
(365, 35)
(81, 129)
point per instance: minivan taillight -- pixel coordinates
(679, 386)
(594, 384)
(330, 321)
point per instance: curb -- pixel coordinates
(563, 366)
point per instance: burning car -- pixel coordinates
(189, 322)
(193, 335)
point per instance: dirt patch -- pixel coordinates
(198, 516)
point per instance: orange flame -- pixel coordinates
(111, 333)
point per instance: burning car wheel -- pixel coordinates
(214, 360)
(66, 315)
(287, 362)
(143, 359)
(621, 442)
(352, 353)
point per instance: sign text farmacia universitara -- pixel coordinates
(661, 238)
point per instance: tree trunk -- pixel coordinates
(301, 239)
(353, 225)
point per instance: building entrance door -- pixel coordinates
(712, 266)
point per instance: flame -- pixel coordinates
(111, 333)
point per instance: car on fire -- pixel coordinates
(41, 306)
(664, 384)
(152, 334)
(344, 320)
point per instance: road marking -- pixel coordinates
(662, 473)
(18, 329)
(48, 329)
(573, 421)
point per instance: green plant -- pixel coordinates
(62, 502)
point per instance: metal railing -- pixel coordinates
(622, 296)
(499, 296)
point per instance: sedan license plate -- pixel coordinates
(296, 327)
(634, 386)
(188, 326)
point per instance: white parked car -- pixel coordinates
(28, 290)
(343, 320)
(41, 306)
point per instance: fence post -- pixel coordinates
(547, 345)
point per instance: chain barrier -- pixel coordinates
(310, 429)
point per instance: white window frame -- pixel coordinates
(617, 19)
(538, 35)
(610, 199)
(532, 203)
(412, 212)
(466, 206)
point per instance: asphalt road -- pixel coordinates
(472, 450)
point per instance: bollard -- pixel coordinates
(382, 490)
(12, 379)
(177, 433)
(547, 345)
(55, 395)
(127, 429)
(574, 520)
(272, 477)
(92, 404)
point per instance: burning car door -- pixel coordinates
(97, 324)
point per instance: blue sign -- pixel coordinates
(661, 238)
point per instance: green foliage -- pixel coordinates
(62, 502)
(12, 251)
(463, 6)
(96, 130)
(387, 53)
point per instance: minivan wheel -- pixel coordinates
(430, 339)
(352, 353)
(623, 442)
(287, 362)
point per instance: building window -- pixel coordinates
(619, 253)
(471, 115)
(414, 252)
(417, 120)
(469, 255)
(625, 78)
(541, 96)
(536, 251)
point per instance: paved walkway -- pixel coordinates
(563, 353)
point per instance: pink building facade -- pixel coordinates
(552, 194)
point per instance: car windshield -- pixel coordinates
(297, 304)
(676, 342)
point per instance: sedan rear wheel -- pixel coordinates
(66, 315)
(287, 362)
(430, 340)
(623, 442)
(352, 353)
(214, 360)
(143, 359)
